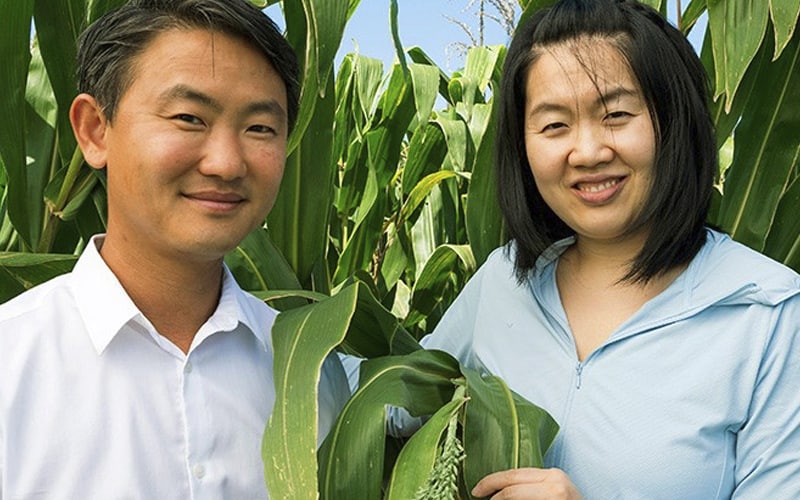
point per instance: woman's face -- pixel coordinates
(589, 137)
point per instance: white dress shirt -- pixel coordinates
(95, 404)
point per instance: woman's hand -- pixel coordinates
(527, 484)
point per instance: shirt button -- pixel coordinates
(199, 471)
(187, 368)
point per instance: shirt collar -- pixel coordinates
(235, 307)
(106, 307)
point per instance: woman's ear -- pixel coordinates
(89, 125)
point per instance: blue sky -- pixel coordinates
(423, 23)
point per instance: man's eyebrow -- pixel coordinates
(268, 106)
(185, 92)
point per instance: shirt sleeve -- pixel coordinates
(768, 445)
(334, 392)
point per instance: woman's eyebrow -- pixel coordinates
(601, 100)
(615, 94)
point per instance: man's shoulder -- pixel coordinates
(32, 325)
(36, 303)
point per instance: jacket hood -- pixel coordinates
(726, 272)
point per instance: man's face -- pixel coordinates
(196, 151)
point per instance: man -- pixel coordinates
(147, 371)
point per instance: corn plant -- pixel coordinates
(424, 196)
(386, 209)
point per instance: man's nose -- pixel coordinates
(224, 156)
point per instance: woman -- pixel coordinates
(668, 353)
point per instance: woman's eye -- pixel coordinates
(553, 126)
(616, 115)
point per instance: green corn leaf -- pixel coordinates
(80, 188)
(358, 251)
(693, 12)
(425, 81)
(374, 331)
(726, 120)
(385, 140)
(299, 218)
(783, 240)
(398, 44)
(22, 271)
(442, 276)
(426, 152)
(459, 146)
(99, 7)
(501, 430)
(314, 28)
(40, 139)
(765, 151)
(395, 260)
(784, 14)
(277, 295)
(737, 30)
(58, 25)
(484, 221)
(426, 231)
(92, 216)
(656, 4)
(15, 54)
(421, 191)
(369, 73)
(418, 456)
(352, 456)
(259, 266)
(420, 57)
(302, 338)
(344, 122)
(531, 6)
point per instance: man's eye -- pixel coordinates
(262, 129)
(191, 119)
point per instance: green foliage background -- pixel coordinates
(386, 209)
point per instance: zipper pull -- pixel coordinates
(578, 371)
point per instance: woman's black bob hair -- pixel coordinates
(674, 86)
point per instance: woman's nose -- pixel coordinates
(591, 146)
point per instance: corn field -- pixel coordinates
(386, 209)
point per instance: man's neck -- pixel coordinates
(176, 295)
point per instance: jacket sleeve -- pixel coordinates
(333, 394)
(455, 332)
(452, 335)
(768, 445)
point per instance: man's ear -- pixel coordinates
(89, 125)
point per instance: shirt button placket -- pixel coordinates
(199, 471)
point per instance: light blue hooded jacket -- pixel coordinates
(696, 396)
